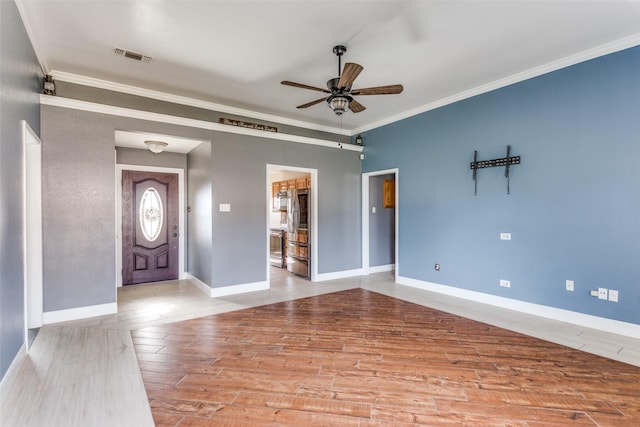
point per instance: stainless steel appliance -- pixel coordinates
(277, 248)
(298, 238)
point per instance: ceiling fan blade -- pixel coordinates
(356, 107)
(349, 74)
(303, 86)
(309, 104)
(379, 90)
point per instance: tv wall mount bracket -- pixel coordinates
(481, 164)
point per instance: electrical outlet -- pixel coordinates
(602, 293)
(613, 295)
(569, 285)
(505, 283)
(505, 236)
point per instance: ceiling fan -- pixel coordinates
(341, 94)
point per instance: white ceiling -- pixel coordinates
(236, 52)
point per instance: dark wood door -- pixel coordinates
(149, 227)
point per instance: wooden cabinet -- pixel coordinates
(308, 182)
(301, 183)
(291, 184)
(389, 193)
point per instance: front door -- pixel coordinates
(149, 227)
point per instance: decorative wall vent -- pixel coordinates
(132, 55)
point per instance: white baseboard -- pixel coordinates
(239, 289)
(381, 268)
(198, 284)
(338, 275)
(226, 290)
(13, 369)
(586, 320)
(79, 313)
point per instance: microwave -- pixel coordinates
(281, 202)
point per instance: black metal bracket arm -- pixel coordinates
(505, 161)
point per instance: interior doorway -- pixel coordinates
(292, 211)
(32, 233)
(380, 221)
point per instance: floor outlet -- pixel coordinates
(613, 295)
(569, 285)
(505, 283)
(602, 293)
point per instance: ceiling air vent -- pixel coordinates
(131, 55)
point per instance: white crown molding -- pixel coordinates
(75, 104)
(598, 51)
(192, 102)
(604, 49)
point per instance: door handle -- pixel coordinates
(175, 234)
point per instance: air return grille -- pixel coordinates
(131, 55)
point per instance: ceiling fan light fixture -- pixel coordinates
(339, 104)
(156, 147)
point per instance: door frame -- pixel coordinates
(365, 218)
(32, 230)
(118, 213)
(313, 221)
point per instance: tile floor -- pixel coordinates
(85, 372)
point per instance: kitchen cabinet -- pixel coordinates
(291, 184)
(275, 189)
(308, 182)
(389, 193)
(301, 184)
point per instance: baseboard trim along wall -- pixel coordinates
(580, 319)
(12, 371)
(381, 268)
(338, 275)
(226, 290)
(239, 289)
(206, 289)
(79, 313)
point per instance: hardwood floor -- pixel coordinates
(359, 358)
(85, 372)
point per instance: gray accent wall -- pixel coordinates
(381, 225)
(20, 77)
(224, 249)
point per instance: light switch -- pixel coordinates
(373, 209)
(505, 236)
(225, 207)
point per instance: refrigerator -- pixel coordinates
(298, 237)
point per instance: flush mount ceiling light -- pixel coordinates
(156, 147)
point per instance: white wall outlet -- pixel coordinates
(505, 236)
(373, 209)
(613, 295)
(602, 293)
(569, 285)
(225, 207)
(505, 283)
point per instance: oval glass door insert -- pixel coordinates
(151, 214)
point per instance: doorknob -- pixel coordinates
(175, 234)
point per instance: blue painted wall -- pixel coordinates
(574, 207)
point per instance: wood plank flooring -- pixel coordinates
(360, 358)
